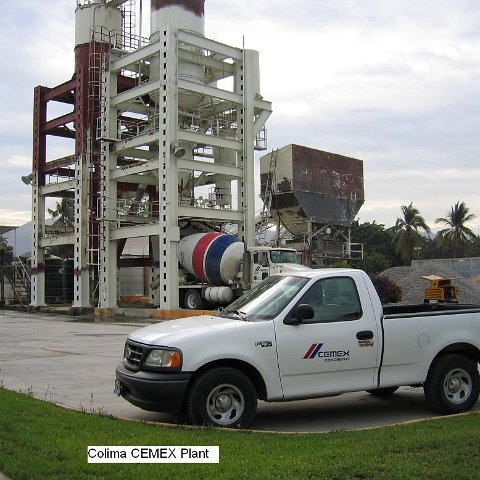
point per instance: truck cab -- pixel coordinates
(268, 261)
(308, 334)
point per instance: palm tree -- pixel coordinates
(457, 234)
(406, 237)
(63, 213)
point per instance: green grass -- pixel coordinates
(39, 440)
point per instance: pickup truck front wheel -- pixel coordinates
(452, 384)
(223, 397)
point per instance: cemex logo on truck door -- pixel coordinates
(328, 355)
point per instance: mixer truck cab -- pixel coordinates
(268, 261)
(215, 268)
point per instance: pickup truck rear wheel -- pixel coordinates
(223, 397)
(452, 384)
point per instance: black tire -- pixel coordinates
(383, 392)
(193, 300)
(222, 397)
(452, 384)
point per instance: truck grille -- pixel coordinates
(132, 355)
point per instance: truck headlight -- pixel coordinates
(163, 359)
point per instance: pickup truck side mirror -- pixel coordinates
(301, 313)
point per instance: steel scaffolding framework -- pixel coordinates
(142, 150)
(148, 135)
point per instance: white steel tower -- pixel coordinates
(190, 115)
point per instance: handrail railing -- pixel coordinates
(20, 280)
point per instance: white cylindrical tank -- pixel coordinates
(219, 295)
(185, 15)
(252, 60)
(224, 187)
(212, 257)
(103, 17)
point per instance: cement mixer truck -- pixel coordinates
(215, 268)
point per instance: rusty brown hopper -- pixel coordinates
(309, 184)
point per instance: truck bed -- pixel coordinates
(392, 311)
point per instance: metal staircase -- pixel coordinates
(19, 280)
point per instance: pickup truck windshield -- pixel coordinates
(283, 256)
(266, 300)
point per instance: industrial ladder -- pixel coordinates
(267, 201)
(130, 43)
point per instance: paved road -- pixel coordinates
(65, 361)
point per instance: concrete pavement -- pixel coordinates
(59, 359)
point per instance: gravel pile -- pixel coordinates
(412, 285)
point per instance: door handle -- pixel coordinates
(365, 335)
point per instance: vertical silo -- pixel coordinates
(98, 25)
(188, 15)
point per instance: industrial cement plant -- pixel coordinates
(164, 132)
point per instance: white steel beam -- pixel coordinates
(210, 91)
(137, 220)
(54, 240)
(139, 179)
(262, 105)
(134, 231)
(134, 169)
(210, 167)
(260, 121)
(134, 107)
(57, 187)
(139, 153)
(60, 162)
(136, 92)
(138, 141)
(134, 57)
(210, 140)
(210, 214)
(212, 45)
(116, 3)
(220, 67)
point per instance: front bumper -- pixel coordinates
(156, 392)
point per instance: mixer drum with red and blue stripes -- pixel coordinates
(212, 257)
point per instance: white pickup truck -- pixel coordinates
(304, 335)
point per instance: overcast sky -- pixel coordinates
(395, 83)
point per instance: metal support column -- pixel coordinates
(247, 84)
(38, 201)
(81, 280)
(107, 295)
(38, 253)
(169, 233)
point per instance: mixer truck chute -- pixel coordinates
(215, 268)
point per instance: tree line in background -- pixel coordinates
(411, 238)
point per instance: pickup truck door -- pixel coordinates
(337, 350)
